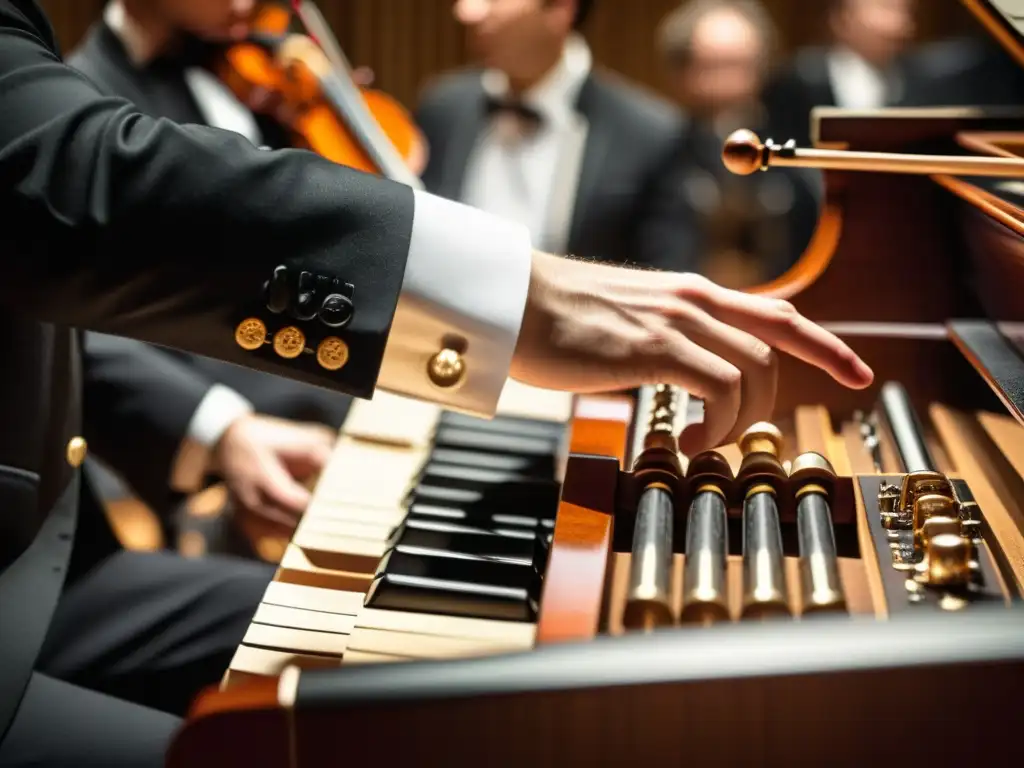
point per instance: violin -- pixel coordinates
(326, 111)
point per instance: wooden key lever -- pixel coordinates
(744, 153)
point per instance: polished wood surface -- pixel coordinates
(574, 584)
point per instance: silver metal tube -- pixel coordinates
(905, 429)
(648, 601)
(764, 576)
(820, 586)
(705, 591)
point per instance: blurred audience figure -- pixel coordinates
(537, 134)
(717, 54)
(864, 67)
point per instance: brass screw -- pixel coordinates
(446, 368)
(76, 451)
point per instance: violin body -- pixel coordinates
(298, 89)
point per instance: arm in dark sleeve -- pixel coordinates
(116, 222)
(139, 403)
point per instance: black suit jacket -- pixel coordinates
(628, 206)
(85, 181)
(160, 90)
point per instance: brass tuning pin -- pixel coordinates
(764, 579)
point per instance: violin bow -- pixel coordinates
(319, 32)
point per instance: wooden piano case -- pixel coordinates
(924, 276)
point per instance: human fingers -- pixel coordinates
(363, 76)
(281, 491)
(778, 323)
(756, 361)
(703, 374)
(306, 449)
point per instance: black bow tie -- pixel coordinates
(527, 115)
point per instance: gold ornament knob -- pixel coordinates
(332, 353)
(761, 437)
(949, 560)
(446, 368)
(76, 451)
(289, 342)
(251, 333)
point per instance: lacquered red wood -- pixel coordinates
(574, 583)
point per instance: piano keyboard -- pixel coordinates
(427, 538)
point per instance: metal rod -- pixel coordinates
(820, 587)
(648, 603)
(764, 577)
(744, 153)
(905, 429)
(705, 591)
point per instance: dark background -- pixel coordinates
(408, 41)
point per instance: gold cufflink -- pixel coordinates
(251, 333)
(76, 451)
(332, 353)
(446, 368)
(289, 342)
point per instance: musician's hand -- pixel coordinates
(264, 462)
(592, 327)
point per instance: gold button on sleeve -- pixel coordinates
(251, 333)
(76, 451)
(289, 342)
(446, 368)
(332, 353)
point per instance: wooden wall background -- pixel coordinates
(406, 42)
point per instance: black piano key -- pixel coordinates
(484, 517)
(540, 502)
(532, 499)
(489, 442)
(507, 425)
(435, 473)
(428, 581)
(534, 466)
(517, 545)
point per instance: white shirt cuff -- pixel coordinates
(467, 277)
(217, 411)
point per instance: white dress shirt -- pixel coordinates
(858, 84)
(448, 289)
(512, 172)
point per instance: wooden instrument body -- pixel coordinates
(898, 262)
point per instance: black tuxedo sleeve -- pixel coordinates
(138, 405)
(116, 222)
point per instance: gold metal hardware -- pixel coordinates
(251, 333)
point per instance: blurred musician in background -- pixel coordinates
(865, 66)
(717, 53)
(153, 52)
(89, 656)
(542, 138)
